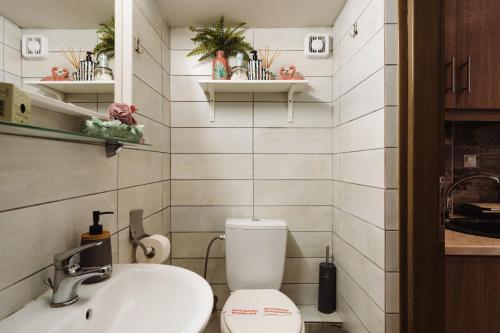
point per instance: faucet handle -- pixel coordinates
(71, 258)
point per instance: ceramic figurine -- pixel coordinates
(220, 66)
(288, 73)
(58, 74)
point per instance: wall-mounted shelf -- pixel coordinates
(55, 105)
(112, 145)
(272, 86)
(77, 87)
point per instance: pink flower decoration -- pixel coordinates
(122, 112)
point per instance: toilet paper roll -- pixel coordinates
(160, 244)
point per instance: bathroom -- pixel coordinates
(128, 134)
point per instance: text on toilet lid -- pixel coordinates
(267, 311)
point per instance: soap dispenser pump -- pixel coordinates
(100, 255)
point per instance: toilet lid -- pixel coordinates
(261, 310)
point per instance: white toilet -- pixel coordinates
(255, 261)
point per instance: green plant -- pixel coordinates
(107, 36)
(217, 37)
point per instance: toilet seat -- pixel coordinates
(262, 311)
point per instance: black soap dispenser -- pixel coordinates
(327, 293)
(100, 255)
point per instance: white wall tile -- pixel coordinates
(152, 12)
(364, 98)
(131, 166)
(212, 192)
(292, 140)
(301, 270)
(165, 57)
(363, 64)
(211, 140)
(362, 305)
(146, 197)
(227, 114)
(45, 171)
(12, 60)
(290, 166)
(11, 35)
(305, 66)
(275, 114)
(184, 65)
(194, 245)
(307, 244)
(206, 218)
(305, 293)
(285, 38)
(293, 192)
(370, 21)
(1, 56)
(366, 274)
(212, 166)
(147, 100)
(363, 133)
(298, 218)
(64, 39)
(364, 167)
(365, 202)
(148, 70)
(364, 237)
(149, 39)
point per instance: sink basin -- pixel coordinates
(486, 228)
(137, 298)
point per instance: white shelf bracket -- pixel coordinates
(211, 95)
(291, 93)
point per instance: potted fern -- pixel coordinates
(107, 39)
(218, 42)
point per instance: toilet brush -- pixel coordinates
(327, 285)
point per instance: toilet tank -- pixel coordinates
(255, 253)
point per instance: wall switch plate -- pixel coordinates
(470, 161)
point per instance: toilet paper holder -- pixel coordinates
(137, 232)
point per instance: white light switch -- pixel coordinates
(470, 161)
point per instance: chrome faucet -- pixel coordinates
(68, 275)
(448, 207)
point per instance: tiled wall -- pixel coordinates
(10, 52)
(365, 165)
(473, 138)
(251, 162)
(50, 188)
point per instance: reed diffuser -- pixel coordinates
(74, 59)
(267, 61)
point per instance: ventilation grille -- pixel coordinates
(316, 45)
(35, 47)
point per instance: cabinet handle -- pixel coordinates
(468, 64)
(453, 75)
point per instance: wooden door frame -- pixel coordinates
(421, 164)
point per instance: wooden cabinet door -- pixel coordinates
(478, 54)
(450, 53)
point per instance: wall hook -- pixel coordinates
(354, 31)
(138, 47)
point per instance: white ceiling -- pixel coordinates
(256, 13)
(67, 14)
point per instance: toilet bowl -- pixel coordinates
(260, 310)
(255, 262)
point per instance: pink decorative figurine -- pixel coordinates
(122, 112)
(288, 73)
(58, 74)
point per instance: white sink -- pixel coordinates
(138, 298)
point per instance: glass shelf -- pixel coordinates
(112, 144)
